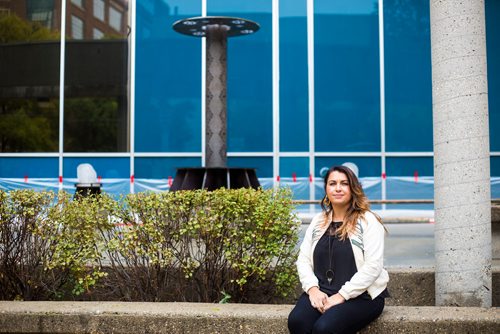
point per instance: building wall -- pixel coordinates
(301, 97)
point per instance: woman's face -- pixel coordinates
(338, 189)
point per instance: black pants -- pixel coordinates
(348, 317)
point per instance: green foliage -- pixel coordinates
(49, 246)
(94, 119)
(77, 237)
(15, 29)
(27, 126)
(25, 247)
(237, 241)
(225, 298)
(185, 246)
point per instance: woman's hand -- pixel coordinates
(317, 298)
(333, 300)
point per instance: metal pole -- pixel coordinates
(216, 98)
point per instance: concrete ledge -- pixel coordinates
(137, 318)
(416, 287)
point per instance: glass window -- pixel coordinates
(408, 80)
(495, 168)
(76, 28)
(369, 170)
(294, 173)
(99, 9)
(29, 167)
(408, 178)
(294, 114)
(162, 168)
(493, 58)
(115, 19)
(104, 167)
(347, 80)
(29, 77)
(263, 165)
(96, 117)
(79, 3)
(249, 77)
(290, 167)
(98, 34)
(411, 166)
(367, 167)
(168, 79)
(409, 188)
(41, 12)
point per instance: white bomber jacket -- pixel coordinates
(367, 244)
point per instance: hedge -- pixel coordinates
(236, 245)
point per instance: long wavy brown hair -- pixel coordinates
(358, 207)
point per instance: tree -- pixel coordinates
(25, 124)
(15, 29)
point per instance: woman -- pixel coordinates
(340, 262)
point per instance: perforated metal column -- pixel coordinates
(216, 105)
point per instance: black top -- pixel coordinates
(337, 255)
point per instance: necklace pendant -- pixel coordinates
(329, 276)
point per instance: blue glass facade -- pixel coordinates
(493, 55)
(346, 66)
(168, 79)
(293, 94)
(161, 168)
(326, 105)
(249, 77)
(106, 167)
(21, 167)
(408, 81)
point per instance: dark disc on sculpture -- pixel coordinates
(234, 26)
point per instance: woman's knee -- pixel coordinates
(296, 323)
(321, 328)
(326, 326)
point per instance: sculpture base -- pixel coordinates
(212, 178)
(87, 189)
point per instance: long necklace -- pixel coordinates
(329, 272)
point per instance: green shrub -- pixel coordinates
(49, 246)
(78, 230)
(226, 245)
(205, 246)
(24, 248)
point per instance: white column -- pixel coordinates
(381, 46)
(132, 40)
(276, 91)
(62, 64)
(310, 82)
(461, 153)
